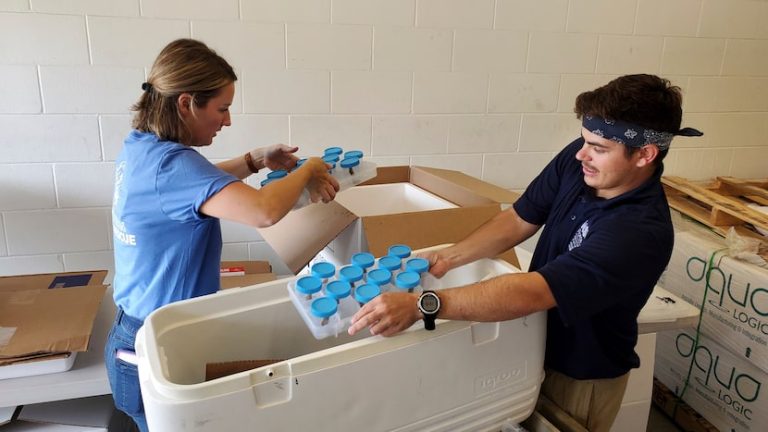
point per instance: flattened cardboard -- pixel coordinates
(302, 234)
(255, 272)
(45, 280)
(429, 228)
(460, 188)
(49, 320)
(43, 316)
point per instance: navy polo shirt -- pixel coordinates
(601, 259)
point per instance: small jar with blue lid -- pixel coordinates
(350, 164)
(323, 309)
(278, 174)
(421, 266)
(381, 278)
(351, 274)
(399, 250)
(407, 280)
(308, 285)
(338, 290)
(323, 270)
(363, 260)
(335, 151)
(353, 154)
(366, 292)
(341, 292)
(391, 263)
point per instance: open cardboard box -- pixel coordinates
(245, 273)
(302, 234)
(46, 317)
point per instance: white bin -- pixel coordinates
(463, 376)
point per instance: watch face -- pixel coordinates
(429, 303)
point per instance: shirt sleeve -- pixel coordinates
(185, 180)
(537, 200)
(618, 263)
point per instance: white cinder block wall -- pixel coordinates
(483, 86)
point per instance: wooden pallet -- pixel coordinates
(722, 204)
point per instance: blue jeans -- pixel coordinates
(124, 377)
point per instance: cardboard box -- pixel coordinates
(298, 237)
(736, 308)
(723, 388)
(245, 273)
(45, 316)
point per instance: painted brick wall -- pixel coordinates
(482, 86)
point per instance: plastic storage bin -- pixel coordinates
(463, 376)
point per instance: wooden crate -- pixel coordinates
(680, 412)
(722, 204)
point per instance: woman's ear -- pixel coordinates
(184, 103)
(647, 154)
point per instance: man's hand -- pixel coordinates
(387, 314)
(439, 261)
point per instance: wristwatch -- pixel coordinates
(429, 305)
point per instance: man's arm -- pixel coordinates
(502, 298)
(505, 231)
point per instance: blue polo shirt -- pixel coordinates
(601, 259)
(165, 249)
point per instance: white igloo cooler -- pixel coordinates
(464, 376)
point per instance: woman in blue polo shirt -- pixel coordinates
(168, 198)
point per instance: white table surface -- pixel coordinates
(88, 376)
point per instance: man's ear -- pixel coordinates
(647, 154)
(184, 104)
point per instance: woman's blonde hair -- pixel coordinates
(183, 66)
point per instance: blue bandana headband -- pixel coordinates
(632, 135)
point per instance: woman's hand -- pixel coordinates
(322, 186)
(277, 156)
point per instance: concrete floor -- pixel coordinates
(659, 422)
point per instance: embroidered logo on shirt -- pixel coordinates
(579, 237)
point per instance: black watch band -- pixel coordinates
(429, 305)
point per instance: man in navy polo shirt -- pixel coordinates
(607, 238)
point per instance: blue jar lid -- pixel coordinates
(323, 270)
(351, 273)
(338, 289)
(308, 284)
(300, 162)
(367, 292)
(349, 162)
(379, 277)
(400, 251)
(333, 151)
(331, 159)
(390, 262)
(266, 181)
(353, 154)
(419, 265)
(407, 279)
(277, 174)
(323, 307)
(363, 259)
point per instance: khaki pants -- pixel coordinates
(594, 404)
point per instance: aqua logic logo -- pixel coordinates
(745, 303)
(732, 387)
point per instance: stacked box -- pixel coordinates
(723, 387)
(736, 308)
